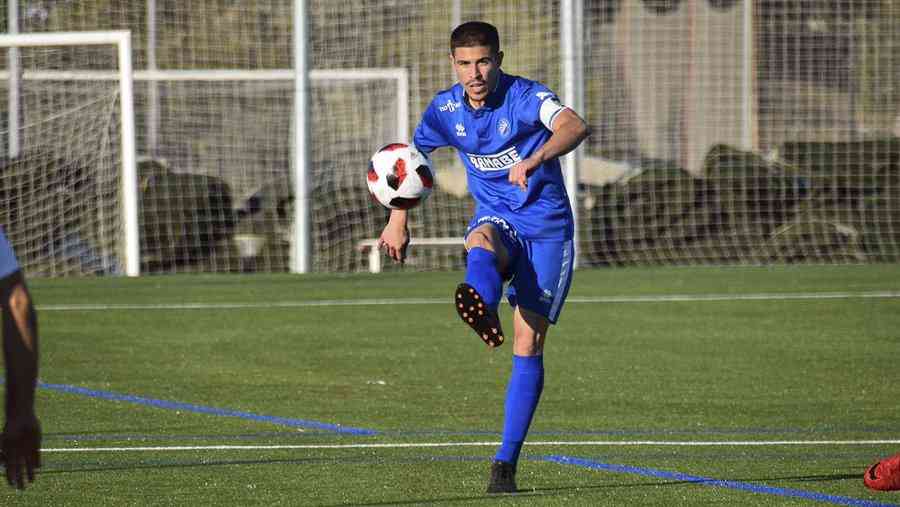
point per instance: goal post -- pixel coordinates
(392, 82)
(121, 40)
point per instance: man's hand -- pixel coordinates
(568, 132)
(519, 173)
(395, 237)
(21, 444)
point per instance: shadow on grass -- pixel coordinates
(568, 490)
(811, 478)
(99, 466)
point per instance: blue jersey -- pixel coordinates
(513, 123)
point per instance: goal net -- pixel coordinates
(739, 132)
(217, 178)
(724, 131)
(61, 170)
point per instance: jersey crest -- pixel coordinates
(503, 127)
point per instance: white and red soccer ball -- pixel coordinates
(400, 176)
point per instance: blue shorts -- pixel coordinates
(539, 272)
(8, 263)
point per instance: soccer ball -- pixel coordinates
(399, 176)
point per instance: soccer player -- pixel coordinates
(21, 439)
(884, 475)
(509, 132)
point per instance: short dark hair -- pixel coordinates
(475, 33)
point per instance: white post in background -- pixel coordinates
(455, 21)
(129, 178)
(301, 246)
(153, 85)
(455, 16)
(571, 32)
(748, 84)
(403, 131)
(13, 90)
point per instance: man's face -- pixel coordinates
(477, 69)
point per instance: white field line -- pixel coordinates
(422, 445)
(432, 301)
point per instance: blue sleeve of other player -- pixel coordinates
(8, 262)
(428, 136)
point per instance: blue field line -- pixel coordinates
(200, 409)
(714, 483)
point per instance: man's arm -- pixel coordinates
(569, 130)
(395, 237)
(21, 438)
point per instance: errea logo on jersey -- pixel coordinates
(450, 106)
(543, 95)
(496, 162)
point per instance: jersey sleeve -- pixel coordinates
(429, 136)
(8, 262)
(540, 106)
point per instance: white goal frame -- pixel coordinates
(399, 75)
(121, 39)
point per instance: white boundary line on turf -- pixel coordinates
(400, 445)
(432, 301)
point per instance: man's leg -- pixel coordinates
(476, 299)
(543, 273)
(526, 382)
(21, 438)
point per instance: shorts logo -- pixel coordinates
(460, 130)
(503, 127)
(496, 162)
(546, 296)
(499, 222)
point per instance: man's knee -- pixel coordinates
(481, 237)
(19, 300)
(18, 303)
(530, 332)
(487, 237)
(13, 293)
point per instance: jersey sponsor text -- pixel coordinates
(496, 162)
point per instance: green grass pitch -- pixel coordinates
(669, 386)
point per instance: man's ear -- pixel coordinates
(499, 58)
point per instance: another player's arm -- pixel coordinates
(569, 130)
(395, 237)
(21, 434)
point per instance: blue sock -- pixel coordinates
(482, 274)
(522, 395)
